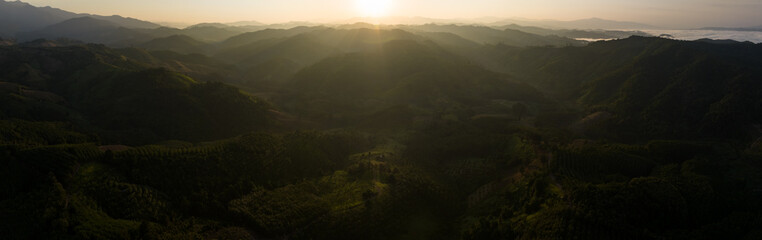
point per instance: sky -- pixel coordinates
(667, 13)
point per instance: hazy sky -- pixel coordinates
(674, 13)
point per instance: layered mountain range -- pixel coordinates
(116, 128)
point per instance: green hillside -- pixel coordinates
(655, 87)
(122, 99)
(176, 43)
(418, 74)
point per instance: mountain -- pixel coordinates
(204, 33)
(177, 43)
(76, 28)
(597, 23)
(378, 132)
(18, 17)
(401, 20)
(589, 34)
(214, 32)
(60, 42)
(94, 30)
(239, 27)
(655, 87)
(488, 35)
(400, 72)
(88, 29)
(303, 49)
(361, 39)
(126, 22)
(717, 41)
(590, 23)
(197, 66)
(292, 24)
(287, 54)
(122, 99)
(307, 45)
(245, 23)
(216, 25)
(275, 60)
(391, 20)
(252, 37)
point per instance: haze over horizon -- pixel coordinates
(675, 14)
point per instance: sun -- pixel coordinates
(373, 8)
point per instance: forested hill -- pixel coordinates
(655, 87)
(121, 98)
(420, 75)
(394, 132)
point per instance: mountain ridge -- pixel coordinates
(20, 16)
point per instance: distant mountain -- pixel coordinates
(360, 25)
(95, 30)
(398, 20)
(590, 23)
(22, 17)
(204, 33)
(597, 23)
(293, 24)
(177, 43)
(76, 28)
(126, 21)
(590, 34)
(303, 49)
(19, 16)
(160, 32)
(245, 23)
(251, 37)
(89, 29)
(488, 35)
(214, 32)
(217, 25)
(277, 59)
(361, 39)
(303, 46)
(307, 47)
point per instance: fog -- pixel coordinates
(751, 36)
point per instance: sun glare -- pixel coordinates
(373, 8)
